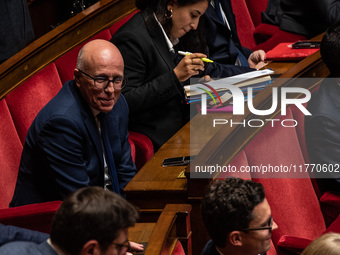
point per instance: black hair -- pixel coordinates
(228, 205)
(194, 40)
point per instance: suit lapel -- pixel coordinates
(93, 131)
(213, 15)
(159, 41)
(90, 123)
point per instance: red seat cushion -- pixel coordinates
(143, 146)
(33, 95)
(35, 216)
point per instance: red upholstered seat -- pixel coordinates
(143, 148)
(67, 63)
(252, 32)
(255, 8)
(244, 23)
(33, 94)
(10, 152)
(35, 216)
(294, 203)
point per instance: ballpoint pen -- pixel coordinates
(185, 53)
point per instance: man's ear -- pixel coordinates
(76, 76)
(90, 248)
(235, 238)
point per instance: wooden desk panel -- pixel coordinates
(141, 232)
(154, 185)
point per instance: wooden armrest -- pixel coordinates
(172, 225)
(60, 40)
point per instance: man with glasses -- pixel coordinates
(80, 138)
(238, 218)
(90, 221)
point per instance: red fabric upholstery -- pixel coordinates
(239, 161)
(300, 129)
(35, 216)
(268, 36)
(255, 8)
(244, 23)
(330, 205)
(296, 210)
(252, 32)
(335, 226)
(143, 146)
(273, 141)
(289, 245)
(133, 150)
(10, 152)
(178, 249)
(33, 94)
(67, 63)
(264, 32)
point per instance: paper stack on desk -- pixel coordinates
(256, 79)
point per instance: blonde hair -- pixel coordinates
(326, 244)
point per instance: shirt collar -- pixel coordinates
(168, 42)
(94, 111)
(56, 249)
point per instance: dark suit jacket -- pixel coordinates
(154, 94)
(323, 131)
(16, 29)
(155, 97)
(12, 233)
(305, 17)
(218, 37)
(63, 150)
(27, 248)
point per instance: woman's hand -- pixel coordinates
(190, 65)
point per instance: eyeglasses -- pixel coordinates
(270, 226)
(103, 82)
(126, 244)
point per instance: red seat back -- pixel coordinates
(10, 152)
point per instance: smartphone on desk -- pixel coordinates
(178, 161)
(306, 45)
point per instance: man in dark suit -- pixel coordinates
(238, 218)
(16, 29)
(63, 149)
(222, 39)
(323, 126)
(90, 221)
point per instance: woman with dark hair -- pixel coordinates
(149, 43)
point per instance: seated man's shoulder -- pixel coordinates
(27, 248)
(210, 249)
